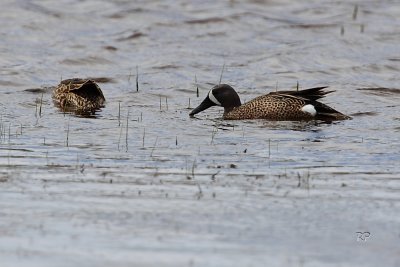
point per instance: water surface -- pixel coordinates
(141, 183)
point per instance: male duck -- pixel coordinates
(79, 95)
(280, 105)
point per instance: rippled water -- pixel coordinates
(142, 184)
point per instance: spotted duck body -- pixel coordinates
(79, 95)
(280, 105)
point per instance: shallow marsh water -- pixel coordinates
(142, 184)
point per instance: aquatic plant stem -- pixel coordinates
(222, 72)
(152, 150)
(67, 141)
(126, 132)
(197, 86)
(119, 113)
(137, 78)
(40, 107)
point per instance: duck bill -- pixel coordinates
(203, 106)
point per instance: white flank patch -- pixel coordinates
(213, 99)
(309, 109)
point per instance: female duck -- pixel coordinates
(280, 105)
(79, 95)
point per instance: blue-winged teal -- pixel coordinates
(79, 95)
(280, 105)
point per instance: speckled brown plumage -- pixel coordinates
(79, 95)
(280, 105)
(277, 106)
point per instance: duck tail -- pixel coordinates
(327, 113)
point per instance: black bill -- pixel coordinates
(203, 106)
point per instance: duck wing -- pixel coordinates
(311, 94)
(85, 88)
(70, 85)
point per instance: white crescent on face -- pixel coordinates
(213, 99)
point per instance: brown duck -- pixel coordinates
(79, 95)
(280, 105)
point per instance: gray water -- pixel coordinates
(143, 184)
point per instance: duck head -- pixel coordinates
(220, 95)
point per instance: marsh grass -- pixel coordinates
(2, 132)
(119, 113)
(126, 132)
(154, 147)
(222, 73)
(137, 78)
(40, 107)
(1, 129)
(67, 139)
(9, 133)
(213, 133)
(197, 85)
(193, 167)
(355, 12)
(199, 194)
(119, 138)
(144, 135)
(304, 181)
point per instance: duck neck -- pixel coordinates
(233, 105)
